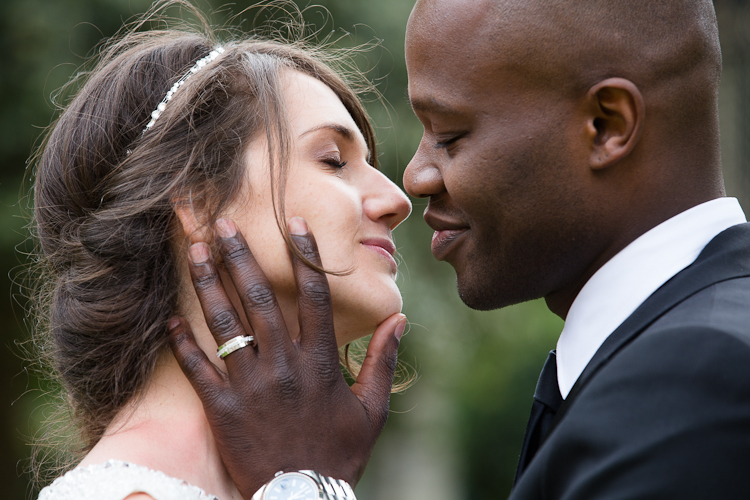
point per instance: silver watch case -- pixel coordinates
(323, 487)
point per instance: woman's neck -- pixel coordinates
(166, 430)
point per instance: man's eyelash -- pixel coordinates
(445, 144)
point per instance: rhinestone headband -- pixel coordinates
(155, 114)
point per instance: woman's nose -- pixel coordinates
(386, 201)
(422, 178)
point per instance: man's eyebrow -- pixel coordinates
(346, 132)
(432, 105)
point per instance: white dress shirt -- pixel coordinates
(616, 290)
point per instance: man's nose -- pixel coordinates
(422, 177)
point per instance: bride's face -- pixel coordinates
(350, 207)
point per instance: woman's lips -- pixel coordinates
(383, 247)
(443, 240)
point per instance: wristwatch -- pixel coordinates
(304, 485)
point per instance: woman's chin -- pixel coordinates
(361, 319)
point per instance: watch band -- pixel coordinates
(328, 487)
(333, 489)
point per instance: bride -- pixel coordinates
(175, 142)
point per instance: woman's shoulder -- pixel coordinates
(116, 480)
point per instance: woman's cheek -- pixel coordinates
(337, 236)
(270, 251)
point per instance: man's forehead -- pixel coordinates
(443, 20)
(446, 77)
(451, 37)
(451, 10)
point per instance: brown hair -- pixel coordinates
(102, 215)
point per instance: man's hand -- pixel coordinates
(283, 404)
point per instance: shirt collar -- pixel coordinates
(616, 290)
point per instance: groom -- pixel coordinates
(571, 152)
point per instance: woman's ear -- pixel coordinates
(615, 122)
(194, 228)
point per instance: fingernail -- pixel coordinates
(226, 228)
(297, 226)
(400, 326)
(198, 253)
(173, 323)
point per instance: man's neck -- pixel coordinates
(559, 301)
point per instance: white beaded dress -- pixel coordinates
(115, 480)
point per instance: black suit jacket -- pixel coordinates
(662, 411)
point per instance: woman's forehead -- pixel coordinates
(311, 104)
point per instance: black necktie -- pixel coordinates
(547, 400)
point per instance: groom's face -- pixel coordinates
(497, 159)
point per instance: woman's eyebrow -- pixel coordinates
(346, 132)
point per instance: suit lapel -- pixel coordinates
(726, 257)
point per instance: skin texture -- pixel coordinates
(540, 167)
(353, 207)
(555, 133)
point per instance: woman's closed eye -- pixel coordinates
(334, 161)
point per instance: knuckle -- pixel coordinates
(223, 322)
(305, 244)
(385, 363)
(288, 387)
(206, 282)
(236, 253)
(179, 339)
(316, 292)
(226, 407)
(260, 297)
(325, 371)
(389, 363)
(192, 364)
(308, 248)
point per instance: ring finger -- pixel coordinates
(221, 317)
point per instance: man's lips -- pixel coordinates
(442, 241)
(446, 233)
(384, 247)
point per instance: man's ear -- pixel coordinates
(192, 225)
(617, 113)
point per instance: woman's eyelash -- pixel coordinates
(335, 163)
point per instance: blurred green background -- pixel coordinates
(456, 433)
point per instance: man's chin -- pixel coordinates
(481, 296)
(478, 299)
(479, 303)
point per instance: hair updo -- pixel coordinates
(104, 189)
